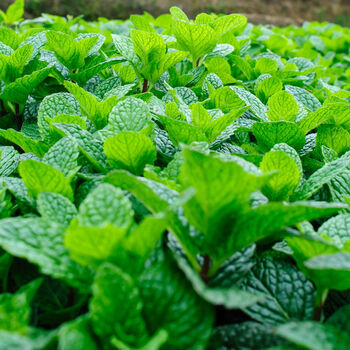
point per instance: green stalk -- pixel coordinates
(321, 296)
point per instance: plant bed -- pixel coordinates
(169, 183)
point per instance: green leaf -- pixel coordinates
(244, 335)
(41, 243)
(334, 137)
(15, 311)
(267, 88)
(63, 156)
(197, 39)
(181, 132)
(144, 238)
(157, 198)
(40, 177)
(331, 271)
(9, 159)
(56, 208)
(280, 186)
(151, 49)
(130, 151)
(15, 12)
(170, 303)
(273, 217)
(97, 111)
(103, 220)
(231, 297)
(53, 106)
(265, 65)
(321, 177)
(90, 146)
(155, 343)
(106, 205)
(116, 307)
(131, 114)
(269, 134)
(76, 334)
(288, 294)
(282, 106)
(307, 99)
(19, 90)
(256, 106)
(337, 228)
(69, 52)
(226, 99)
(340, 319)
(27, 144)
(213, 207)
(314, 336)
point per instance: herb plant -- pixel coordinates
(169, 183)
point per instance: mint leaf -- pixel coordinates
(314, 335)
(41, 243)
(116, 307)
(130, 151)
(187, 314)
(40, 177)
(278, 281)
(282, 106)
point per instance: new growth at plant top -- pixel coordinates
(173, 183)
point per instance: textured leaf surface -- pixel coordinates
(288, 294)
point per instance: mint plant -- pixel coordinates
(173, 183)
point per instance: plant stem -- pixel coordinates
(145, 85)
(321, 296)
(18, 117)
(205, 269)
(3, 109)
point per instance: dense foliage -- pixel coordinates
(173, 184)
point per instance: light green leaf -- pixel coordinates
(130, 151)
(106, 205)
(40, 177)
(273, 217)
(181, 132)
(226, 99)
(27, 144)
(280, 186)
(334, 137)
(197, 39)
(337, 228)
(97, 111)
(19, 90)
(304, 97)
(52, 106)
(282, 106)
(15, 12)
(269, 134)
